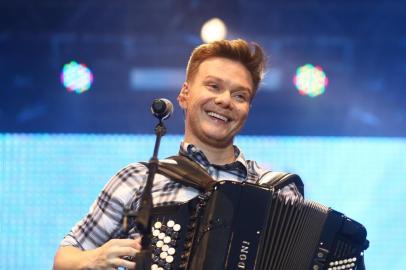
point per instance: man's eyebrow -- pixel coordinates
(210, 77)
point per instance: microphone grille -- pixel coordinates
(159, 106)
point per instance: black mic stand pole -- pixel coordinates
(143, 220)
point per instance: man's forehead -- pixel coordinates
(225, 70)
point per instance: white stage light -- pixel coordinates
(213, 30)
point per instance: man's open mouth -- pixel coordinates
(218, 116)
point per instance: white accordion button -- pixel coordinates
(165, 248)
(154, 267)
(171, 251)
(167, 239)
(170, 223)
(176, 227)
(163, 255)
(158, 225)
(161, 235)
(169, 259)
(155, 233)
(159, 244)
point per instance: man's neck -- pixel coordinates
(216, 155)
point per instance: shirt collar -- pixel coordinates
(198, 156)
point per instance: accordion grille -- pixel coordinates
(292, 234)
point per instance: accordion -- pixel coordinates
(246, 226)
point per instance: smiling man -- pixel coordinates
(221, 81)
(217, 101)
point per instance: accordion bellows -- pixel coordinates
(246, 226)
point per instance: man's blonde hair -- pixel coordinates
(251, 56)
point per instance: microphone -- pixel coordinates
(162, 108)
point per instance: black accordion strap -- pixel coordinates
(186, 172)
(282, 179)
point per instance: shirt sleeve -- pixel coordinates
(104, 219)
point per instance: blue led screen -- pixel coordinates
(48, 182)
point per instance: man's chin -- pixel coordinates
(219, 141)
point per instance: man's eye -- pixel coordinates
(240, 97)
(213, 86)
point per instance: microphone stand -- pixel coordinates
(143, 215)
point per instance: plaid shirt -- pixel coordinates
(104, 220)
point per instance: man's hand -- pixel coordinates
(109, 256)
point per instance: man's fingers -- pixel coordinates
(135, 243)
(125, 251)
(118, 262)
(138, 244)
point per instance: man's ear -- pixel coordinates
(183, 96)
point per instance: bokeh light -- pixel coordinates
(76, 77)
(310, 80)
(213, 30)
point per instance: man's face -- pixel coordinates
(216, 101)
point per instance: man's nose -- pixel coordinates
(223, 98)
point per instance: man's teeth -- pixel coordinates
(216, 115)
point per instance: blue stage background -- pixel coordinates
(57, 149)
(48, 182)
